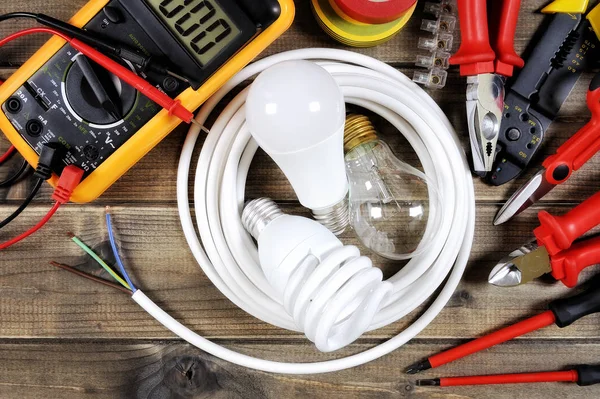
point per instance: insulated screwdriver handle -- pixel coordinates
(475, 55)
(583, 375)
(563, 312)
(569, 310)
(505, 334)
(557, 233)
(524, 378)
(582, 146)
(567, 265)
(588, 375)
(506, 56)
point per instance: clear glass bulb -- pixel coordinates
(392, 205)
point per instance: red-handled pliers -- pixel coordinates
(553, 252)
(486, 69)
(557, 168)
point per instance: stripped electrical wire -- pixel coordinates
(123, 286)
(91, 277)
(113, 244)
(99, 260)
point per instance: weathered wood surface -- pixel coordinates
(64, 337)
(157, 370)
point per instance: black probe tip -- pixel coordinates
(428, 383)
(418, 367)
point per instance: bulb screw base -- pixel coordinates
(335, 218)
(258, 214)
(358, 130)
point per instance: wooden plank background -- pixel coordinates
(62, 337)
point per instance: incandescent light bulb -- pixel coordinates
(296, 113)
(392, 205)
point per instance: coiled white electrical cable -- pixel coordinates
(227, 254)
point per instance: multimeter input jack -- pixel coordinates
(34, 128)
(14, 105)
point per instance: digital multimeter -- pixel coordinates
(49, 100)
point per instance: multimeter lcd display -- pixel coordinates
(202, 26)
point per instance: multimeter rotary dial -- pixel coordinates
(96, 96)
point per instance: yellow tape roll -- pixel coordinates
(353, 33)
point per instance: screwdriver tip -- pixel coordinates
(418, 367)
(428, 383)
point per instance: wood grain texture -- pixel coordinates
(58, 304)
(176, 371)
(61, 336)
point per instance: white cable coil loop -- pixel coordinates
(228, 256)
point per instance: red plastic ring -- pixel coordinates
(375, 11)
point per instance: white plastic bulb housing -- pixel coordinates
(295, 111)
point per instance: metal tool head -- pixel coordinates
(524, 197)
(521, 266)
(485, 105)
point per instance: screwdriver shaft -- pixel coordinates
(534, 323)
(552, 376)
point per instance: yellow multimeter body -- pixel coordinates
(150, 134)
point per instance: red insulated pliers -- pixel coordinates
(486, 68)
(557, 168)
(553, 250)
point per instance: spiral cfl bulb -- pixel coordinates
(331, 292)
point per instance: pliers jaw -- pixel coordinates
(485, 106)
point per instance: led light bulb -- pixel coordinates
(296, 112)
(392, 205)
(330, 291)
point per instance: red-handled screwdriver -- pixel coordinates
(583, 375)
(563, 313)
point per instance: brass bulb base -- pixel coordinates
(358, 131)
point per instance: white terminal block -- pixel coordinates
(445, 7)
(441, 41)
(433, 79)
(444, 24)
(436, 59)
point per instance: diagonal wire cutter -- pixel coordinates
(485, 69)
(553, 250)
(557, 168)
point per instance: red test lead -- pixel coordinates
(174, 107)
